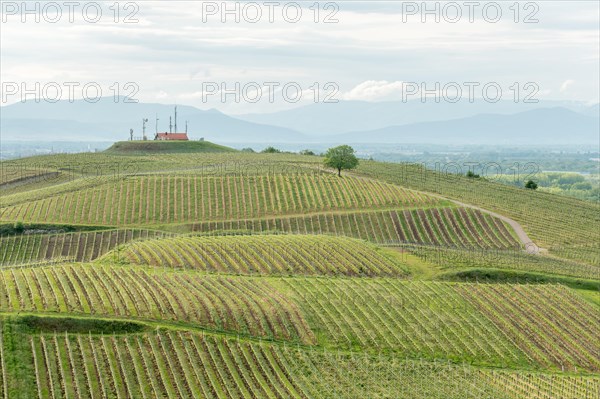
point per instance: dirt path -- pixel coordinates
(530, 246)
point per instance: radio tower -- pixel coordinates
(176, 119)
(144, 128)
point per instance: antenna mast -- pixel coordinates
(144, 128)
(156, 127)
(170, 126)
(186, 127)
(176, 119)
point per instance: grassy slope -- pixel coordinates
(173, 363)
(175, 147)
(552, 221)
(435, 321)
(148, 362)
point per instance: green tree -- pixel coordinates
(531, 185)
(19, 227)
(341, 157)
(271, 150)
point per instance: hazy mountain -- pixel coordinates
(110, 120)
(539, 126)
(350, 116)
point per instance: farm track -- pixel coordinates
(527, 242)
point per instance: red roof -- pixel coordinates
(171, 136)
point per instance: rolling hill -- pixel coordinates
(165, 147)
(138, 273)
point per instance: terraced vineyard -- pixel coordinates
(69, 247)
(433, 319)
(540, 386)
(450, 227)
(552, 326)
(264, 254)
(181, 364)
(206, 275)
(176, 364)
(552, 221)
(177, 199)
(452, 259)
(15, 174)
(249, 307)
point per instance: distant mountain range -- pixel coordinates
(110, 120)
(548, 122)
(353, 116)
(538, 126)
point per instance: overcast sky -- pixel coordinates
(177, 51)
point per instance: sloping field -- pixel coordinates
(68, 247)
(265, 254)
(452, 227)
(453, 259)
(260, 276)
(550, 325)
(179, 199)
(550, 220)
(485, 324)
(11, 174)
(243, 306)
(542, 386)
(170, 364)
(416, 319)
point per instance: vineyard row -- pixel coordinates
(180, 199)
(451, 227)
(265, 254)
(74, 247)
(185, 365)
(244, 306)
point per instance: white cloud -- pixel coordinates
(374, 90)
(171, 52)
(565, 86)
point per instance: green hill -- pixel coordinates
(177, 147)
(191, 270)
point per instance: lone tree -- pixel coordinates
(531, 185)
(271, 150)
(341, 157)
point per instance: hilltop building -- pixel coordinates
(171, 136)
